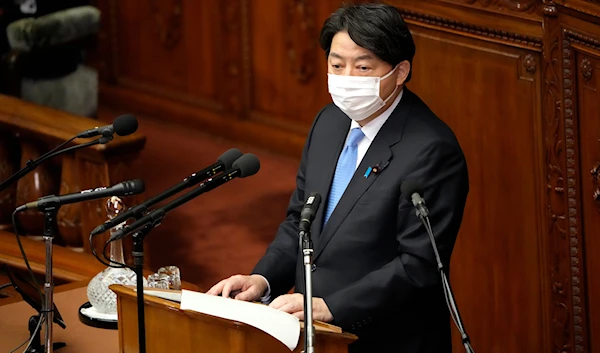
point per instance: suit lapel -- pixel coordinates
(338, 125)
(379, 153)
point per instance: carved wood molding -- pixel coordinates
(549, 8)
(299, 39)
(590, 7)
(515, 5)
(529, 63)
(580, 38)
(486, 32)
(586, 69)
(574, 233)
(167, 16)
(566, 259)
(524, 6)
(555, 175)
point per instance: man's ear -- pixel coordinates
(403, 71)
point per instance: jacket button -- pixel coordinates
(313, 268)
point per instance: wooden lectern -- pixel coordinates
(170, 329)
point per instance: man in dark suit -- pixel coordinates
(374, 271)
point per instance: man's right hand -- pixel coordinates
(249, 288)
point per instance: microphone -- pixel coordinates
(125, 188)
(123, 125)
(245, 166)
(307, 215)
(412, 191)
(224, 162)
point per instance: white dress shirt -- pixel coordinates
(370, 130)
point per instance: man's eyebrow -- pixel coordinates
(364, 57)
(358, 58)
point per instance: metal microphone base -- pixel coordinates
(138, 258)
(48, 307)
(309, 329)
(36, 346)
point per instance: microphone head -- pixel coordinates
(409, 187)
(229, 157)
(124, 125)
(248, 164)
(134, 187)
(314, 200)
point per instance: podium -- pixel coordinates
(170, 329)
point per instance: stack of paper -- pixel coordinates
(281, 325)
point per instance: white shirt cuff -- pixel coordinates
(265, 298)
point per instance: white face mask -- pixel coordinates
(357, 96)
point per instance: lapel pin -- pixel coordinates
(377, 169)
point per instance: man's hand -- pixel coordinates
(241, 287)
(294, 304)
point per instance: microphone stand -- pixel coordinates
(138, 260)
(447, 289)
(151, 221)
(50, 213)
(309, 329)
(48, 307)
(32, 164)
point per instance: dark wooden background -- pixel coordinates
(516, 80)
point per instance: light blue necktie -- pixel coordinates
(346, 166)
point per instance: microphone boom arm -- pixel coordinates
(156, 215)
(32, 164)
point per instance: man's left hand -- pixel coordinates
(294, 304)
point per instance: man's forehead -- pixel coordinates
(343, 47)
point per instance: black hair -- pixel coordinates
(378, 28)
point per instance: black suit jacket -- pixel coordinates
(373, 262)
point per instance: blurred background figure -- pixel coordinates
(42, 45)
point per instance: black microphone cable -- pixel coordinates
(16, 231)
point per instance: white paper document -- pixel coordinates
(172, 295)
(281, 325)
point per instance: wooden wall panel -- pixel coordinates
(489, 95)
(289, 72)
(168, 48)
